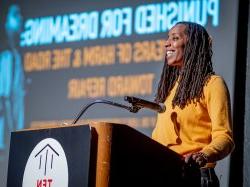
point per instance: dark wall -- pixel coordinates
(246, 161)
(240, 159)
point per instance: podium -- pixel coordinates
(95, 155)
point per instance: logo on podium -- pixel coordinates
(47, 166)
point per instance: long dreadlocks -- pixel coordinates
(197, 68)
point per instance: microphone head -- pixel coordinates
(162, 108)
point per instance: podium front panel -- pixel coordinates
(50, 157)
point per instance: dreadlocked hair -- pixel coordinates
(196, 71)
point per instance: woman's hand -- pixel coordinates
(197, 158)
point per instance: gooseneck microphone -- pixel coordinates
(136, 105)
(141, 103)
(129, 108)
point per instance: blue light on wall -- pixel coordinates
(11, 79)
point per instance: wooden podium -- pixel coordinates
(95, 155)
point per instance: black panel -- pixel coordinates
(241, 96)
(246, 160)
(137, 160)
(74, 140)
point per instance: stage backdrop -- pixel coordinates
(58, 56)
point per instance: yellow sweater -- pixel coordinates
(204, 126)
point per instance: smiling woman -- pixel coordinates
(197, 120)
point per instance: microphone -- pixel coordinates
(140, 103)
(129, 108)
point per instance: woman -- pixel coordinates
(197, 120)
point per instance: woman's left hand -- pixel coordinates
(197, 158)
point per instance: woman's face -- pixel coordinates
(175, 45)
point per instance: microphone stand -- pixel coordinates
(133, 109)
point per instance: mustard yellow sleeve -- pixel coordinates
(218, 103)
